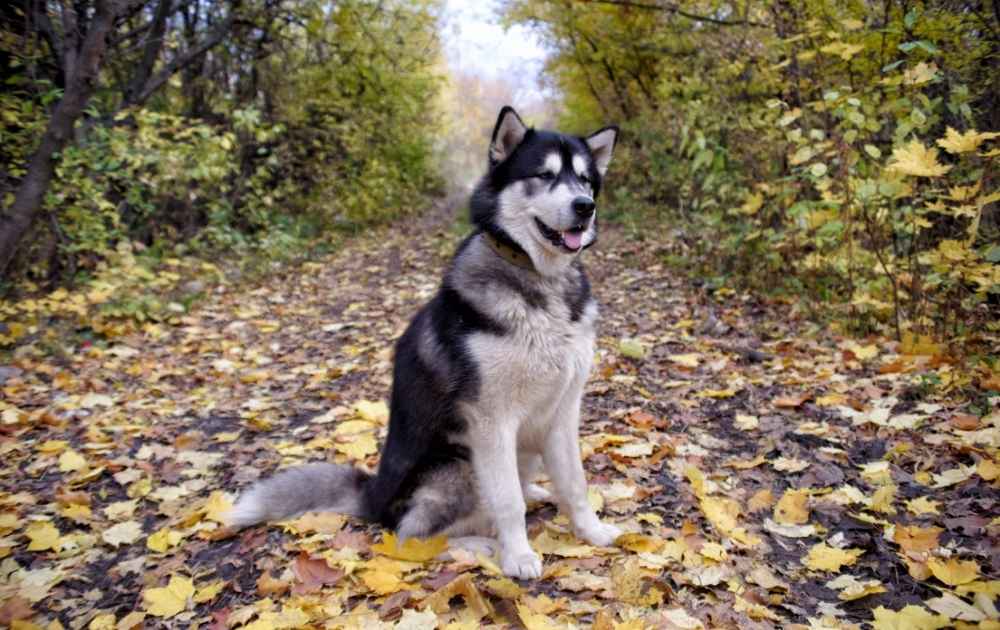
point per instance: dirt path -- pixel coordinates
(755, 464)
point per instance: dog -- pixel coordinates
(488, 378)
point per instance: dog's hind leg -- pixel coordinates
(529, 465)
(445, 499)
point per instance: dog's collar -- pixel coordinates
(508, 253)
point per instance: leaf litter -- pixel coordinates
(769, 474)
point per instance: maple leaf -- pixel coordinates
(955, 142)
(792, 508)
(43, 535)
(313, 574)
(953, 571)
(171, 599)
(822, 557)
(122, 534)
(909, 618)
(916, 159)
(412, 549)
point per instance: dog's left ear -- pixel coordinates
(601, 144)
(507, 134)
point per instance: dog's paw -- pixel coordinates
(535, 493)
(526, 565)
(599, 534)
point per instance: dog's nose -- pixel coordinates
(584, 207)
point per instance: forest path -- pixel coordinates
(754, 463)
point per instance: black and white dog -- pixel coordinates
(489, 375)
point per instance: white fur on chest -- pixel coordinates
(529, 370)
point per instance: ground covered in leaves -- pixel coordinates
(771, 473)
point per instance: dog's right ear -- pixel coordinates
(507, 134)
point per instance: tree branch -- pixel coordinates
(156, 81)
(670, 7)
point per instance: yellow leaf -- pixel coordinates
(883, 498)
(382, 582)
(909, 618)
(71, 461)
(209, 592)
(955, 142)
(721, 513)
(750, 206)
(164, 539)
(122, 534)
(357, 447)
(988, 469)
(639, 543)
(217, 506)
(923, 505)
(953, 571)
(851, 588)
(916, 159)
(717, 393)
(412, 549)
(713, 551)
(563, 545)
(792, 508)
(919, 74)
(43, 535)
(688, 360)
(105, 621)
(534, 621)
(823, 557)
(376, 411)
(169, 600)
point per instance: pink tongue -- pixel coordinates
(572, 239)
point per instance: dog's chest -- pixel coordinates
(541, 355)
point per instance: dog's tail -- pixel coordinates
(319, 487)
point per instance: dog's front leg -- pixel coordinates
(565, 468)
(494, 459)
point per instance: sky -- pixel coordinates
(476, 43)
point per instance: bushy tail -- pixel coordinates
(313, 487)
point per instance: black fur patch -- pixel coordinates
(423, 407)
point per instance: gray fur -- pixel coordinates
(312, 487)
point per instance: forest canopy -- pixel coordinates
(842, 153)
(187, 126)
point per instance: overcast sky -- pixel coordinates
(475, 42)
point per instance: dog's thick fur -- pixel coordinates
(489, 375)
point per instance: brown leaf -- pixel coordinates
(268, 586)
(15, 608)
(313, 574)
(792, 401)
(964, 422)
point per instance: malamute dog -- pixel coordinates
(489, 375)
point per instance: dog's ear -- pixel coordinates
(507, 134)
(601, 144)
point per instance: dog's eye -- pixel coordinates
(586, 180)
(547, 176)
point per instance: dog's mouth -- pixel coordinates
(571, 240)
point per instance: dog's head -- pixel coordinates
(539, 193)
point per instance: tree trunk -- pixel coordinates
(80, 83)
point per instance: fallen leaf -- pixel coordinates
(909, 618)
(953, 571)
(43, 536)
(122, 534)
(171, 599)
(822, 557)
(412, 549)
(792, 508)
